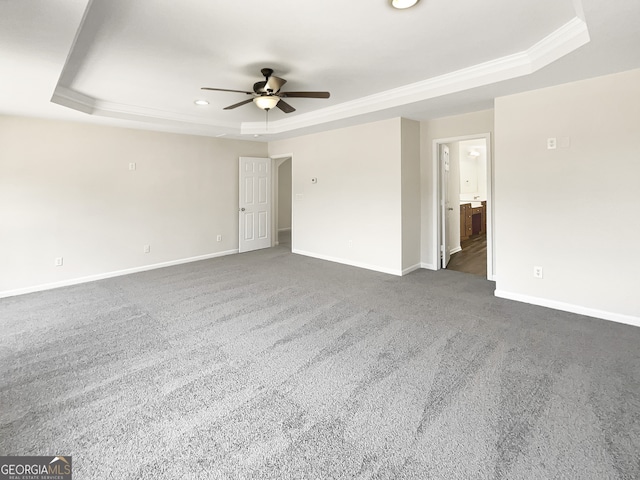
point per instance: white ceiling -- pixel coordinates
(141, 64)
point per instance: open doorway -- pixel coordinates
(465, 200)
(283, 202)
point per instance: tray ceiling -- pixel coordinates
(143, 62)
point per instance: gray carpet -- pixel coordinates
(269, 365)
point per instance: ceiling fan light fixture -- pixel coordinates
(266, 102)
(266, 94)
(402, 4)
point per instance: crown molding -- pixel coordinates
(559, 43)
(70, 98)
(569, 37)
(562, 41)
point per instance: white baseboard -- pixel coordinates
(376, 268)
(286, 229)
(428, 266)
(102, 276)
(455, 250)
(569, 307)
(412, 268)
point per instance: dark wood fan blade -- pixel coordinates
(285, 107)
(305, 94)
(259, 87)
(239, 104)
(226, 90)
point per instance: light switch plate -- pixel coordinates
(537, 272)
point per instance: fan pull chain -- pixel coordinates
(267, 122)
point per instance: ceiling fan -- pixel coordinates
(266, 94)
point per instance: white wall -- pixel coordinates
(473, 170)
(446, 127)
(284, 195)
(570, 210)
(410, 137)
(353, 214)
(66, 191)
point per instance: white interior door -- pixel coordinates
(255, 204)
(445, 202)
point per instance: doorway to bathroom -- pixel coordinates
(465, 201)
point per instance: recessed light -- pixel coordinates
(201, 102)
(402, 4)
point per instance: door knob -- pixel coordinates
(242, 209)
(449, 208)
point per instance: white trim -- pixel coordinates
(436, 191)
(278, 160)
(286, 229)
(428, 266)
(274, 201)
(557, 44)
(376, 268)
(412, 268)
(77, 101)
(74, 100)
(282, 156)
(569, 307)
(569, 37)
(455, 250)
(117, 273)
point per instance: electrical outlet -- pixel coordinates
(350, 243)
(219, 238)
(58, 261)
(147, 248)
(132, 166)
(551, 143)
(537, 272)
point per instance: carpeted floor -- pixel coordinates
(269, 365)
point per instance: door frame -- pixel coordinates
(278, 160)
(445, 255)
(437, 198)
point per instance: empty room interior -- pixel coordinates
(371, 240)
